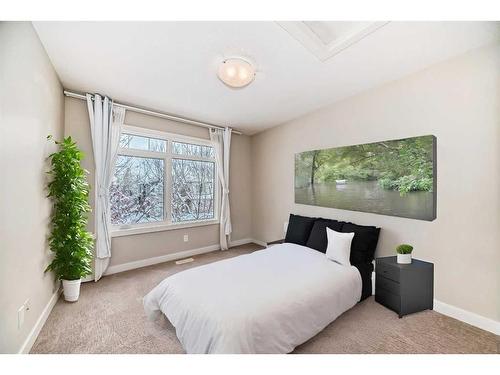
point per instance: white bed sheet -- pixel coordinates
(268, 301)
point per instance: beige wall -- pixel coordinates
(32, 107)
(457, 101)
(142, 246)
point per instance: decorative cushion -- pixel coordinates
(299, 229)
(364, 242)
(317, 239)
(339, 246)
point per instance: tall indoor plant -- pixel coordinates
(69, 239)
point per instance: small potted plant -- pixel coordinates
(404, 253)
(69, 239)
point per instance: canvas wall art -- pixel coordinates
(396, 177)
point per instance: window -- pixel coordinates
(137, 190)
(162, 180)
(142, 143)
(192, 190)
(189, 149)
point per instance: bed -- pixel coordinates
(269, 301)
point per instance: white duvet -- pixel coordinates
(268, 301)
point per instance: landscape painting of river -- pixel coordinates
(396, 177)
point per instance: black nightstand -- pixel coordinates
(404, 288)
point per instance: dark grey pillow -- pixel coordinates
(364, 242)
(317, 239)
(365, 270)
(299, 228)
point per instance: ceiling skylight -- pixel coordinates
(327, 38)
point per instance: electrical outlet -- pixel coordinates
(186, 238)
(20, 317)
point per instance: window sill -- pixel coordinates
(117, 232)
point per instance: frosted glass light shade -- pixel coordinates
(236, 72)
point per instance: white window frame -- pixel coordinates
(166, 224)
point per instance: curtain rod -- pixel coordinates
(154, 113)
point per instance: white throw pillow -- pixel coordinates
(339, 246)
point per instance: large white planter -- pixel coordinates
(404, 258)
(71, 290)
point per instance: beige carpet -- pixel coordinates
(109, 318)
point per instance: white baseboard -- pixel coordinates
(35, 331)
(161, 259)
(243, 241)
(467, 317)
(261, 243)
(170, 257)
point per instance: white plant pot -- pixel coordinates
(404, 258)
(71, 290)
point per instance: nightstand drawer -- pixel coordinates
(387, 271)
(388, 299)
(387, 284)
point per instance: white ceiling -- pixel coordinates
(171, 66)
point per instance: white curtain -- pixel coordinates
(222, 143)
(105, 125)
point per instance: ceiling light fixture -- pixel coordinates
(236, 72)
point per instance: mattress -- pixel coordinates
(269, 301)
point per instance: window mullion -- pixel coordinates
(167, 202)
(191, 157)
(141, 153)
